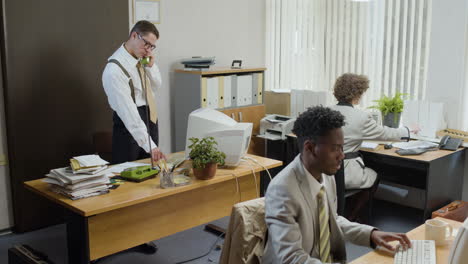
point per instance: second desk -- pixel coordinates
(136, 213)
(439, 173)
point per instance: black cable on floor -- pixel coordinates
(206, 254)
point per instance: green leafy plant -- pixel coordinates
(390, 104)
(204, 151)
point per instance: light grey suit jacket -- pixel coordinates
(291, 215)
(361, 126)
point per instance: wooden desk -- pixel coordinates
(383, 257)
(136, 213)
(439, 173)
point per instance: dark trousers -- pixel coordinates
(124, 147)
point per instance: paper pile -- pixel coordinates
(88, 164)
(84, 178)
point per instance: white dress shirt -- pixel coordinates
(116, 85)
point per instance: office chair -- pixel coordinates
(246, 234)
(342, 193)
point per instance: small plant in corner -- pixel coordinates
(204, 151)
(388, 105)
(391, 108)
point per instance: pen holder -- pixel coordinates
(166, 180)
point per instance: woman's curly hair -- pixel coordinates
(350, 86)
(316, 122)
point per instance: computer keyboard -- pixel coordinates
(414, 151)
(415, 144)
(421, 252)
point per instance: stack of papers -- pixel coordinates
(369, 145)
(88, 164)
(84, 178)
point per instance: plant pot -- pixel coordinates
(206, 173)
(391, 120)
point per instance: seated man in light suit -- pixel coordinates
(300, 205)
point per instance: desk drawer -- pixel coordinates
(394, 161)
(406, 172)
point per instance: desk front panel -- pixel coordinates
(117, 230)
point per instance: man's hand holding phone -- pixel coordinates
(148, 61)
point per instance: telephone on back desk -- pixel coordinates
(446, 142)
(449, 143)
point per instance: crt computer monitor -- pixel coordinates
(459, 248)
(233, 138)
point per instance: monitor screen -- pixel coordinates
(233, 138)
(459, 248)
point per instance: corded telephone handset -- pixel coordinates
(449, 143)
(145, 60)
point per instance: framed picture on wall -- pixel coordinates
(147, 10)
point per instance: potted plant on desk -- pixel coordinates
(205, 157)
(391, 108)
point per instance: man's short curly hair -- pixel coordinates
(316, 122)
(350, 86)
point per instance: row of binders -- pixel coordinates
(85, 177)
(232, 90)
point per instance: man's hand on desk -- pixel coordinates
(157, 154)
(381, 238)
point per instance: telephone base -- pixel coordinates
(139, 174)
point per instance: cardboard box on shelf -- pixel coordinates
(278, 102)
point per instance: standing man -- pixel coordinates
(300, 202)
(131, 86)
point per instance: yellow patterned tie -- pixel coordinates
(324, 228)
(149, 94)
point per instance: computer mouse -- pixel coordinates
(388, 146)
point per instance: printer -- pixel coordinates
(276, 127)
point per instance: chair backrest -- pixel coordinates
(245, 238)
(340, 189)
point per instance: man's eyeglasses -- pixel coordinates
(148, 44)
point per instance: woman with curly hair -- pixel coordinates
(360, 126)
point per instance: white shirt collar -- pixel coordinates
(124, 57)
(315, 185)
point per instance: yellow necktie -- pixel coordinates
(324, 227)
(148, 93)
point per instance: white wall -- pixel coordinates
(446, 71)
(445, 81)
(227, 29)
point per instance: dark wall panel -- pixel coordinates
(55, 52)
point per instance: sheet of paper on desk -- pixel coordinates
(270, 136)
(369, 145)
(430, 139)
(120, 167)
(90, 160)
